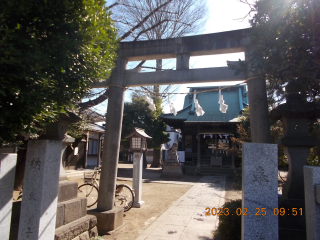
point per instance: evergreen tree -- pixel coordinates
(50, 53)
(138, 114)
(285, 40)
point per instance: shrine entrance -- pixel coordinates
(206, 139)
(181, 49)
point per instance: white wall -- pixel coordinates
(174, 137)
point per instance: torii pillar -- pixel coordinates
(110, 217)
(259, 115)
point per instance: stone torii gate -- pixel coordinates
(181, 49)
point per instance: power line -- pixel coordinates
(210, 90)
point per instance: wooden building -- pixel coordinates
(86, 152)
(206, 138)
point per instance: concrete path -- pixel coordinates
(186, 218)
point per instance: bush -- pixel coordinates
(229, 226)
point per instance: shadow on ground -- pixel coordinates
(153, 174)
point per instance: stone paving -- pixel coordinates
(186, 218)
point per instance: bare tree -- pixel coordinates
(155, 19)
(176, 19)
(104, 96)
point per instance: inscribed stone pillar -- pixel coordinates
(137, 179)
(40, 190)
(259, 191)
(7, 173)
(312, 201)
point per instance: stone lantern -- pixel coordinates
(294, 115)
(138, 140)
(138, 143)
(58, 131)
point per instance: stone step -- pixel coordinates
(67, 212)
(83, 228)
(76, 174)
(67, 190)
(70, 211)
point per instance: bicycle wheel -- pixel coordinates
(90, 192)
(124, 197)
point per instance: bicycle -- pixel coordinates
(124, 195)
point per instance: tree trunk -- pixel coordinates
(157, 159)
(156, 88)
(144, 158)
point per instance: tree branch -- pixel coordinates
(113, 5)
(150, 28)
(159, 69)
(154, 20)
(91, 103)
(144, 20)
(139, 9)
(140, 64)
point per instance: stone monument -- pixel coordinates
(40, 190)
(312, 201)
(7, 172)
(171, 168)
(47, 203)
(259, 191)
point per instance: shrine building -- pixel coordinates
(206, 130)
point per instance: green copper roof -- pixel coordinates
(235, 97)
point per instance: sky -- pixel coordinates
(223, 15)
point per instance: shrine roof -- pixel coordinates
(235, 97)
(138, 131)
(95, 128)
